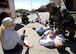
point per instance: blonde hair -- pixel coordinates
(5, 23)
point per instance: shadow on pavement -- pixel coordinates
(18, 26)
(71, 45)
(60, 51)
(50, 47)
(26, 23)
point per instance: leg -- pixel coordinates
(17, 50)
(39, 31)
(19, 46)
(51, 22)
(71, 35)
(22, 37)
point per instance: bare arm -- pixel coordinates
(42, 37)
(23, 44)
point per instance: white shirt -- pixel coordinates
(10, 39)
(47, 42)
(50, 41)
(37, 18)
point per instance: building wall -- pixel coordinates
(74, 5)
(12, 8)
(58, 1)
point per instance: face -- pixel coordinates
(51, 33)
(50, 9)
(11, 26)
(37, 12)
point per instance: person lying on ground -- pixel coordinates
(44, 21)
(41, 30)
(52, 39)
(37, 17)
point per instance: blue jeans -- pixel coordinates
(41, 31)
(17, 50)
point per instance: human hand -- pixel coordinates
(30, 46)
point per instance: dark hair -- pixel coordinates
(51, 5)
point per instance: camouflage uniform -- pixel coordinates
(63, 20)
(68, 23)
(55, 19)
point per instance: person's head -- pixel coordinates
(45, 24)
(24, 14)
(51, 33)
(8, 23)
(37, 12)
(51, 6)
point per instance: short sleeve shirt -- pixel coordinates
(10, 39)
